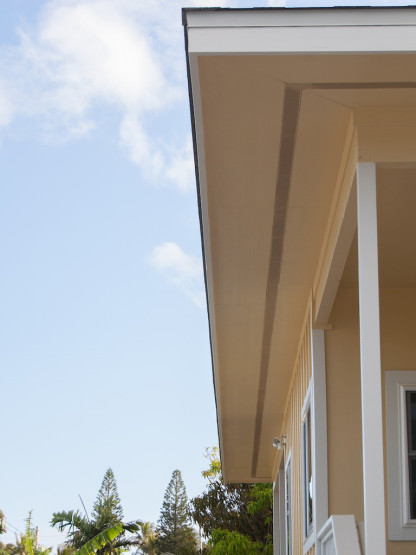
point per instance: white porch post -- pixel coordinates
(371, 403)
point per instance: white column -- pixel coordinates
(371, 405)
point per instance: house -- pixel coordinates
(304, 125)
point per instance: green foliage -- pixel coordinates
(65, 550)
(6, 549)
(77, 526)
(262, 501)
(26, 544)
(147, 539)
(175, 535)
(29, 538)
(224, 542)
(107, 506)
(104, 533)
(101, 540)
(226, 512)
(214, 470)
(2, 523)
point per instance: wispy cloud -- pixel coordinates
(6, 107)
(123, 55)
(184, 270)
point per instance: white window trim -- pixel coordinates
(276, 515)
(319, 430)
(279, 528)
(288, 462)
(401, 527)
(309, 540)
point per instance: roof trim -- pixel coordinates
(266, 12)
(201, 227)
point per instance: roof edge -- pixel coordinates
(192, 10)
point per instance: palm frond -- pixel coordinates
(133, 526)
(68, 519)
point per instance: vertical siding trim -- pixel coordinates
(301, 378)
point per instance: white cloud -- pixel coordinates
(86, 58)
(92, 50)
(181, 170)
(139, 148)
(184, 270)
(160, 162)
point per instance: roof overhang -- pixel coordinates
(282, 102)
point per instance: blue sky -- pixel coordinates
(104, 343)
(103, 328)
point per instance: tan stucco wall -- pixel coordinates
(398, 352)
(342, 350)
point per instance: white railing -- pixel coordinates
(338, 536)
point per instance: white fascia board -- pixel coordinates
(283, 17)
(301, 31)
(303, 40)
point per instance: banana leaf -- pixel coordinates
(100, 540)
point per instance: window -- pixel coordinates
(401, 454)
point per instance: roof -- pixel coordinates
(277, 100)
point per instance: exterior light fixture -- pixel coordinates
(279, 442)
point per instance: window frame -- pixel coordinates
(307, 458)
(397, 383)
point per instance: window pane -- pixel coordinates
(411, 445)
(412, 486)
(411, 419)
(307, 472)
(310, 491)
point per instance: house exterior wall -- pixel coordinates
(301, 378)
(398, 352)
(345, 460)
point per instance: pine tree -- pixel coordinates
(107, 507)
(175, 535)
(104, 533)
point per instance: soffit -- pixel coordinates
(244, 103)
(396, 202)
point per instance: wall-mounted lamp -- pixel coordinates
(279, 442)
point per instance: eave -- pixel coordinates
(274, 100)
